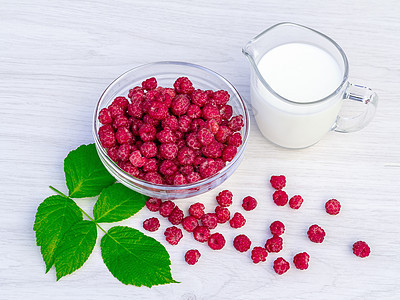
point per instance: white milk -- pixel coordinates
(301, 73)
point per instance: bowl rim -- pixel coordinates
(146, 184)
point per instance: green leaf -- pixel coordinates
(116, 203)
(85, 174)
(54, 216)
(75, 247)
(134, 258)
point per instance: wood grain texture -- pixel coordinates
(56, 58)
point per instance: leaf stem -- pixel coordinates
(90, 218)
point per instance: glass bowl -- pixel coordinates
(166, 73)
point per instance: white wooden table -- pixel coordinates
(56, 58)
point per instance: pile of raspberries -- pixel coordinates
(200, 225)
(171, 136)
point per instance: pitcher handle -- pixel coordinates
(363, 95)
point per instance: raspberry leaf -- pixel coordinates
(54, 216)
(117, 203)
(134, 258)
(84, 173)
(75, 247)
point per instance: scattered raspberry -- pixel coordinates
(166, 208)
(151, 224)
(295, 202)
(216, 241)
(105, 116)
(190, 223)
(176, 216)
(183, 86)
(209, 220)
(259, 254)
(192, 256)
(281, 266)
(242, 243)
(361, 249)
(173, 235)
(316, 234)
(277, 228)
(107, 136)
(332, 207)
(223, 214)
(301, 260)
(274, 244)
(201, 234)
(197, 210)
(224, 198)
(280, 198)
(149, 84)
(237, 220)
(153, 204)
(278, 182)
(249, 203)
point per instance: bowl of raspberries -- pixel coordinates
(171, 130)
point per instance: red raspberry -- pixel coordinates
(153, 177)
(113, 153)
(123, 135)
(147, 133)
(180, 105)
(135, 125)
(186, 170)
(190, 223)
(135, 109)
(300, 260)
(158, 110)
(171, 122)
(121, 102)
(149, 84)
(259, 254)
(168, 167)
(212, 150)
(223, 134)
(152, 95)
(137, 159)
(277, 228)
(148, 149)
(220, 163)
(192, 141)
(166, 136)
(237, 220)
(192, 256)
(186, 156)
(226, 111)
(249, 203)
(197, 124)
(130, 169)
(295, 202)
(223, 214)
(234, 139)
(124, 152)
(361, 249)
(168, 150)
(176, 216)
(332, 207)
(274, 244)
(135, 92)
(184, 123)
(208, 168)
(316, 234)
(281, 266)
(199, 97)
(236, 123)
(173, 235)
(280, 198)
(168, 91)
(201, 234)
(166, 208)
(147, 119)
(105, 116)
(242, 243)
(180, 143)
(153, 204)
(151, 224)
(229, 153)
(204, 136)
(115, 110)
(210, 111)
(221, 97)
(179, 179)
(107, 136)
(194, 111)
(224, 198)
(121, 121)
(212, 125)
(278, 182)
(197, 210)
(209, 220)
(198, 160)
(183, 86)
(151, 165)
(216, 241)
(193, 177)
